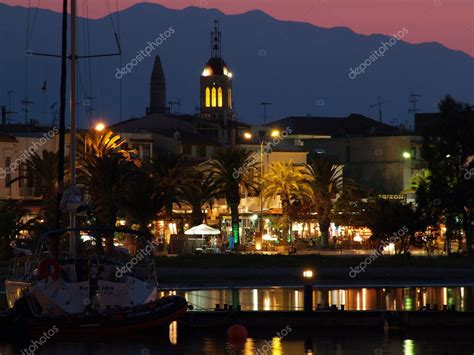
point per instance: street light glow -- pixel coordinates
(99, 127)
(406, 155)
(275, 133)
(308, 274)
(248, 135)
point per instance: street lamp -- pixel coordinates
(406, 155)
(99, 127)
(308, 276)
(275, 133)
(248, 135)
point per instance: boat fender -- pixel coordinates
(49, 267)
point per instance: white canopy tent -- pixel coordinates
(202, 230)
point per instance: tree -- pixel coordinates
(101, 144)
(230, 169)
(104, 172)
(197, 191)
(351, 207)
(326, 181)
(447, 192)
(43, 169)
(392, 221)
(141, 200)
(289, 183)
(11, 216)
(168, 173)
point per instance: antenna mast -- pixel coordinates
(177, 103)
(379, 105)
(265, 104)
(413, 101)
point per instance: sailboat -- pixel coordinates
(89, 281)
(68, 274)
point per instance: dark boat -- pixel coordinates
(124, 321)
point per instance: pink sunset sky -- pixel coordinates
(449, 22)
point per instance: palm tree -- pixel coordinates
(230, 169)
(168, 173)
(197, 191)
(11, 216)
(104, 171)
(141, 201)
(105, 180)
(100, 144)
(44, 170)
(288, 182)
(326, 181)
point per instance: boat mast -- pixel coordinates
(62, 125)
(72, 148)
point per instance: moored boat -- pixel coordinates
(121, 321)
(64, 285)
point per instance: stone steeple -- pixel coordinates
(157, 88)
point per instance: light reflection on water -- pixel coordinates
(346, 342)
(268, 342)
(298, 341)
(410, 298)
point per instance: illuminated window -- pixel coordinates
(219, 97)
(208, 97)
(214, 99)
(229, 98)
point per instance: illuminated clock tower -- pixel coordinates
(216, 84)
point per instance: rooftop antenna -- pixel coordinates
(177, 103)
(9, 109)
(379, 105)
(413, 101)
(216, 42)
(44, 92)
(54, 113)
(88, 106)
(26, 103)
(265, 104)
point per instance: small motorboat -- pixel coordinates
(121, 321)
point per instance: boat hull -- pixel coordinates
(60, 298)
(127, 322)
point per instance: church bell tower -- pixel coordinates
(216, 83)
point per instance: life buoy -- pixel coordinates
(49, 267)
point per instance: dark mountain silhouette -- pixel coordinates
(302, 69)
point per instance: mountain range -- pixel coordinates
(300, 68)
